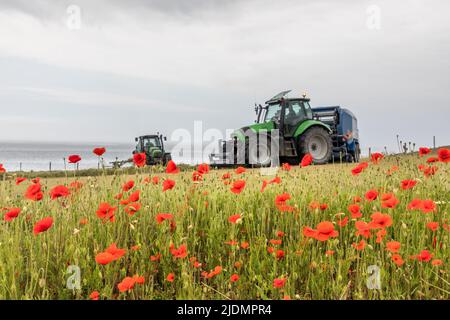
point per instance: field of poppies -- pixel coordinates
(374, 230)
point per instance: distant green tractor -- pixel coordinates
(153, 147)
(300, 131)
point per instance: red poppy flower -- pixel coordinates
(234, 277)
(94, 295)
(393, 246)
(74, 158)
(135, 196)
(433, 226)
(355, 211)
(140, 159)
(43, 225)
(329, 252)
(306, 160)
(203, 168)
(59, 191)
(11, 214)
(408, 184)
(172, 167)
(127, 284)
(104, 258)
(117, 253)
(217, 270)
(376, 157)
(155, 180)
(397, 259)
(99, 151)
(325, 230)
(106, 212)
(280, 202)
(245, 245)
(430, 171)
(357, 199)
(128, 186)
(432, 159)
(139, 279)
(180, 252)
(156, 257)
(359, 246)
(279, 254)
(423, 151)
(264, 185)
(276, 180)
(428, 206)
(444, 155)
(357, 170)
(161, 217)
(132, 208)
(281, 199)
(380, 220)
(197, 176)
(226, 176)
(424, 256)
(371, 195)
(168, 185)
(437, 262)
(279, 283)
(392, 202)
(235, 218)
(240, 170)
(286, 166)
(2, 169)
(19, 180)
(342, 222)
(170, 277)
(415, 204)
(75, 185)
(238, 186)
(34, 192)
(363, 229)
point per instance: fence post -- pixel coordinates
(50, 166)
(434, 142)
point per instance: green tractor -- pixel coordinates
(299, 132)
(153, 147)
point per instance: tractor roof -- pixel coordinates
(149, 136)
(282, 95)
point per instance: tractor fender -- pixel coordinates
(308, 124)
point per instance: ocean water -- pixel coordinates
(37, 156)
(16, 156)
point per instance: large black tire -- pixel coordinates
(263, 146)
(317, 142)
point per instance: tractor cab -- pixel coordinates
(153, 147)
(286, 114)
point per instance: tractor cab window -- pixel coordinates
(308, 111)
(273, 112)
(151, 142)
(296, 112)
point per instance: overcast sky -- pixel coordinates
(135, 67)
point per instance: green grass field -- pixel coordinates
(265, 253)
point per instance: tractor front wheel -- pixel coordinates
(317, 142)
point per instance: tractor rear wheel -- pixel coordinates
(317, 142)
